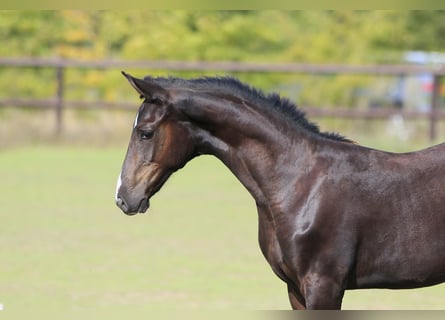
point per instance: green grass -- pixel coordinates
(66, 249)
(66, 246)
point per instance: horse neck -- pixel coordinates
(254, 145)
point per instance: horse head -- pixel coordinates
(160, 144)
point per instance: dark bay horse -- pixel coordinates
(333, 215)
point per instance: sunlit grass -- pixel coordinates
(67, 249)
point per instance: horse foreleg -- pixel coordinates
(295, 298)
(322, 293)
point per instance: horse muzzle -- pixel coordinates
(134, 197)
(133, 208)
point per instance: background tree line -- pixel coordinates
(262, 36)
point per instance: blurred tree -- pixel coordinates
(412, 30)
(266, 36)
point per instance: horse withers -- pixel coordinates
(333, 215)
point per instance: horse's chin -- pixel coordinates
(144, 205)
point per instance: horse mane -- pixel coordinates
(272, 102)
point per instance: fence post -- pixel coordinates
(435, 105)
(60, 72)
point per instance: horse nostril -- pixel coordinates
(121, 204)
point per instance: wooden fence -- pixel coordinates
(59, 103)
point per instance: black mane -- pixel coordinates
(273, 101)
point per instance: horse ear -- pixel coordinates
(147, 89)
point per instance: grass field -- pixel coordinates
(66, 249)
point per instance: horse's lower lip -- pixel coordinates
(144, 205)
(130, 213)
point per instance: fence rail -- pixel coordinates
(58, 102)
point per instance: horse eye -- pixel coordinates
(146, 135)
(156, 101)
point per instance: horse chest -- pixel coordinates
(272, 250)
(273, 254)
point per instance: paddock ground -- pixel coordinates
(67, 249)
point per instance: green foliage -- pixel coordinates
(414, 30)
(352, 37)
